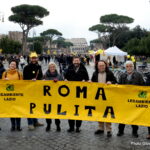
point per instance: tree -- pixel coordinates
(110, 28)
(99, 29)
(133, 46)
(37, 47)
(128, 34)
(27, 16)
(138, 46)
(117, 24)
(50, 35)
(115, 20)
(32, 39)
(120, 37)
(103, 33)
(138, 32)
(61, 43)
(10, 46)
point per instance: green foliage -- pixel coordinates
(138, 46)
(51, 33)
(40, 39)
(98, 28)
(96, 41)
(36, 47)
(113, 31)
(126, 35)
(29, 15)
(61, 43)
(138, 32)
(10, 46)
(116, 19)
(117, 25)
(68, 44)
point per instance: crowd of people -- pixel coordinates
(71, 68)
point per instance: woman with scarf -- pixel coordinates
(13, 74)
(52, 74)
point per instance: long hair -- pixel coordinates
(96, 66)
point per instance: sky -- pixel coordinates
(73, 18)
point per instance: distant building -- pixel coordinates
(80, 45)
(49, 46)
(16, 36)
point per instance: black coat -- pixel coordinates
(2, 69)
(32, 71)
(109, 77)
(80, 75)
(136, 79)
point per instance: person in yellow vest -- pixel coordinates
(13, 74)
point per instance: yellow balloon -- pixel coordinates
(133, 60)
(100, 51)
(128, 56)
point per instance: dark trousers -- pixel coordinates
(49, 121)
(122, 126)
(148, 130)
(32, 121)
(73, 122)
(15, 122)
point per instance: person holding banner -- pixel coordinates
(103, 75)
(148, 137)
(2, 69)
(76, 72)
(134, 78)
(33, 72)
(13, 74)
(52, 74)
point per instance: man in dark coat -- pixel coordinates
(76, 72)
(103, 75)
(33, 72)
(2, 69)
(134, 78)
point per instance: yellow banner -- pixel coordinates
(75, 100)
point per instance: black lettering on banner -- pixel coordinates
(101, 92)
(60, 92)
(46, 90)
(83, 90)
(49, 108)
(90, 108)
(59, 110)
(32, 106)
(76, 110)
(109, 109)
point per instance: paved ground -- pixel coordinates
(85, 140)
